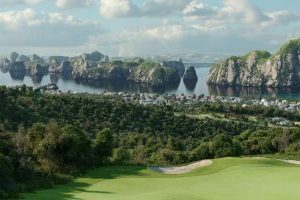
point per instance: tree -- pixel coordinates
(35, 135)
(47, 152)
(201, 152)
(103, 145)
(75, 147)
(121, 155)
(63, 149)
(7, 185)
(222, 146)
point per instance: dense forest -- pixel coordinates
(47, 139)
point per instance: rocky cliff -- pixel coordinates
(17, 70)
(260, 68)
(155, 75)
(34, 65)
(190, 78)
(142, 72)
(55, 63)
(37, 69)
(18, 67)
(95, 67)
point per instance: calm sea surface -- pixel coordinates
(200, 88)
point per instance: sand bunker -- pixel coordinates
(296, 162)
(182, 169)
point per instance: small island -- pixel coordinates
(95, 68)
(260, 68)
(190, 78)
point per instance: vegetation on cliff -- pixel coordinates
(144, 72)
(260, 68)
(291, 47)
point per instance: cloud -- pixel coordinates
(117, 8)
(67, 4)
(242, 10)
(162, 7)
(179, 25)
(197, 8)
(31, 28)
(140, 41)
(236, 13)
(198, 26)
(19, 2)
(152, 8)
(159, 33)
(232, 12)
(281, 17)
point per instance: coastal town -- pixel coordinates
(190, 99)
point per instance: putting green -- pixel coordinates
(225, 179)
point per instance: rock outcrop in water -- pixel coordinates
(34, 65)
(4, 64)
(55, 63)
(154, 75)
(37, 69)
(260, 68)
(17, 70)
(17, 67)
(66, 68)
(96, 68)
(190, 78)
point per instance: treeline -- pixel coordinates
(46, 139)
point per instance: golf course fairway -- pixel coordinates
(225, 179)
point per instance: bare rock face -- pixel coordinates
(260, 68)
(80, 65)
(4, 64)
(55, 62)
(37, 70)
(86, 61)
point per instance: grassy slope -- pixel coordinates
(230, 178)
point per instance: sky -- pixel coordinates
(146, 27)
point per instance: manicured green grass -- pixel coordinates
(225, 179)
